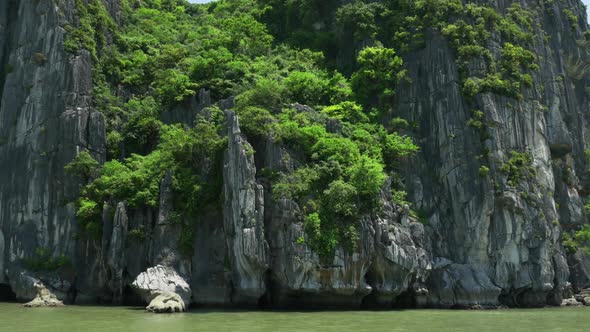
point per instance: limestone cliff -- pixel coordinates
(45, 120)
(493, 241)
(483, 240)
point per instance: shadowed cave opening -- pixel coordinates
(406, 300)
(370, 301)
(6, 294)
(265, 301)
(131, 298)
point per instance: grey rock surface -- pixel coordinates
(166, 303)
(583, 296)
(28, 286)
(579, 264)
(389, 261)
(23, 285)
(243, 218)
(166, 232)
(115, 259)
(45, 121)
(211, 278)
(2, 246)
(43, 298)
(298, 273)
(160, 280)
(501, 241)
(571, 302)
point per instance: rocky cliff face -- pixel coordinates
(243, 218)
(484, 241)
(45, 120)
(493, 241)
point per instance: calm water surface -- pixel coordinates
(13, 317)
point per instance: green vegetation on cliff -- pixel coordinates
(403, 25)
(164, 52)
(343, 62)
(579, 240)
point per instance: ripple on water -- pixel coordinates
(13, 317)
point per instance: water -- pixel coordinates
(15, 318)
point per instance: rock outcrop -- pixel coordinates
(163, 288)
(571, 302)
(115, 258)
(579, 264)
(243, 218)
(45, 120)
(166, 303)
(43, 298)
(23, 285)
(583, 297)
(33, 291)
(389, 261)
(494, 242)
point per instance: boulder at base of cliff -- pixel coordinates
(22, 284)
(583, 297)
(167, 303)
(44, 298)
(157, 283)
(571, 302)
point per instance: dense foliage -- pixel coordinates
(403, 25)
(162, 52)
(344, 62)
(43, 260)
(579, 240)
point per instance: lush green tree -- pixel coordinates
(162, 52)
(256, 121)
(305, 87)
(266, 93)
(367, 176)
(348, 111)
(358, 20)
(339, 200)
(172, 86)
(142, 129)
(337, 149)
(84, 166)
(379, 73)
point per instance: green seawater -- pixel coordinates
(13, 317)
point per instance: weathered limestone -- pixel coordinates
(45, 120)
(583, 296)
(302, 279)
(166, 233)
(163, 280)
(243, 218)
(389, 261)
(500, 243)
(23, 285)
(43, 298)
(571, 302)
(2, 246)
(115, 258)
(211, 278)
(579, 263)
(166, 303)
